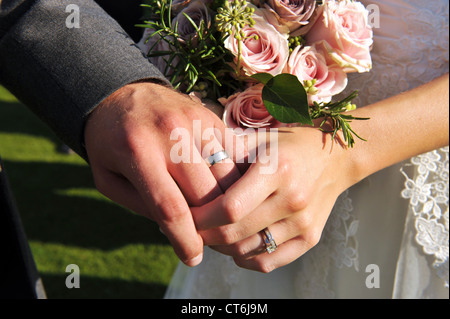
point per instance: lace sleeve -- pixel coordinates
(427, 189)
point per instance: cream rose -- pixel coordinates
(313, 62)
(246, 110)
(263, 50)
(344, 26)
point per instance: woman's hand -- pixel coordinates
(312, 171)
(294, 199)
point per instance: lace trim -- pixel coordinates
(428, 194)
(341, 231)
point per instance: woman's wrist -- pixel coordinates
(343, 159)
(400, 127)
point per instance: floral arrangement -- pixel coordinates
(270, 63)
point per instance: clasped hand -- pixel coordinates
(225, 206)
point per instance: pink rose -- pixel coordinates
(344, 26)
(293, 14)
(314, 62)
(246, 110)
(263, 50)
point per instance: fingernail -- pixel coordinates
(195, 261)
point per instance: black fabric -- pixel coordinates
(18, 271)
(127, 13)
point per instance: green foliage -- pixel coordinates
(285, 98)
(336, 113)
(199, 59)
(203, 61)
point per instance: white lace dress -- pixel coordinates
(387, 236)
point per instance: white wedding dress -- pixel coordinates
(387, 236)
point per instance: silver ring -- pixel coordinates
(217, 157)
(270, 243)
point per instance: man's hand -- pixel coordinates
(128, 141)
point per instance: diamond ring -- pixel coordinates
(270, 243)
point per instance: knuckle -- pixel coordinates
(240, 262)
(296, 201)
(266, 268)
(284, 167)
(137, 133)
(232, 208)
(241, 250)
(130, 142)
(171, 210)
(228, 236)
(304, 222)
(263, 267)
(169, 122)
(312, 237)
(260, 266)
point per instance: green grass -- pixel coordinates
(67, 221)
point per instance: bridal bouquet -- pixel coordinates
(270, 63)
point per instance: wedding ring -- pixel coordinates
(216, 158)
(270, 243)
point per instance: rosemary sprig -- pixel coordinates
(340, 121)
(189, 62)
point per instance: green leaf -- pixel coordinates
(286, 100)
(262, 77)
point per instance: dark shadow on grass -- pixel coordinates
(99, 288)
(49, 215)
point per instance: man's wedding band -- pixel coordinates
(270, 243)
(216, 158)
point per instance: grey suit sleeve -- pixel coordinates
(63, 73)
